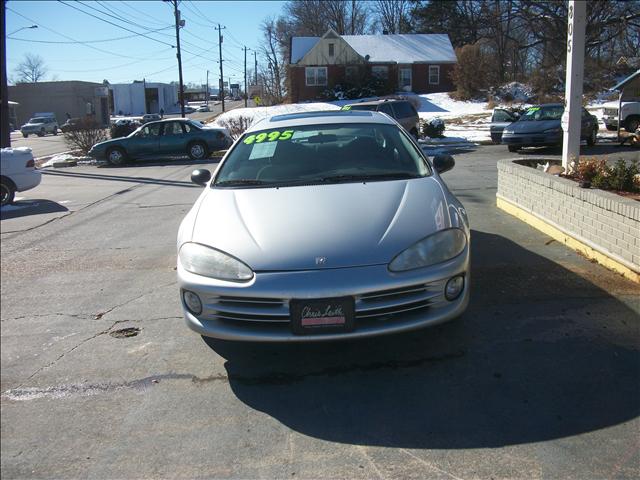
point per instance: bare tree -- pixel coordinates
(274, 76)
(315, 17)
(394, 15)
(31, 70)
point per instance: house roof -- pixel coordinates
(404, 48)
(626, 80)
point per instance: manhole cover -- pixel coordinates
(125, 332)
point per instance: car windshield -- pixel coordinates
(38, 120)
(313, 154)
(195, 124)
(539, 114)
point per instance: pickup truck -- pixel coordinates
(630, 117)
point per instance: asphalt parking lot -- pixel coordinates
(102, 379)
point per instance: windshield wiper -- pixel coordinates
(240, 182)
(365, 177)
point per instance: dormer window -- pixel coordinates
(331, 49)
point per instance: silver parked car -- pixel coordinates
(323, 226)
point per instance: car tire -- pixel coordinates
(632, 124)
(25, 135)
(513, 148)
(55, 130)
(41, 133)
(7, 192)
(611, 128)
(592, 138)
(197, 151)
(116, 156)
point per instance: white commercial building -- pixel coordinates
(138, 98)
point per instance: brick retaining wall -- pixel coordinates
(604, 221)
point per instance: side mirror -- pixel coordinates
(443, 163)
(201, 176)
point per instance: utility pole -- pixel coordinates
(255, 70)
(206, 92)
(221, 72)
(245, 77)
(6, 134)
(179, 23)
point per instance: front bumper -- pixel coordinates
(532, 139)
(385, 302)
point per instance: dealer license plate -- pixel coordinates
(326, 315)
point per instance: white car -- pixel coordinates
(18, 173)
(203, 108)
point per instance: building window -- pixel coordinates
(316, 76)
(331, 52)
(380, 71)
(434, 75)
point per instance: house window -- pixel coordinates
(380, 71)
(434, 75)
(331, 51)
(316, 76)
(350, 73)
(405, 78)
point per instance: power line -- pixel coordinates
(71, 38)
(130, 6)
(82, 41)
(111, 23)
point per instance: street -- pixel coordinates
(54, 144)
(101, 378)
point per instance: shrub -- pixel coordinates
(433, 128)
(621, 177)
(86, 135)
(236, 125)
(587, 170)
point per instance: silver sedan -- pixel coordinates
(323, 226)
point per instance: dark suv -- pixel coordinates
(400, 110)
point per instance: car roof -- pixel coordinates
(378, 102)
(325, 117)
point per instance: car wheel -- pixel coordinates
(41, 133)
(116, 156)
(593, 138)
(631, 125)
(197, 151)
(25, 135)
(513, 148)
(55, 130)
(611, 128)
(7, 192)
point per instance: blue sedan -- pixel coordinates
(166, 137)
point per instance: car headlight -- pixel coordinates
(439, 247)
(209, 262)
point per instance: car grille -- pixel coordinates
(377, 305)
(611, 111)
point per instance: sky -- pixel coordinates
(84, 56)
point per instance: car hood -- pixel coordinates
(349, 225)
(533, 126)
(33, 125)
(107, 143)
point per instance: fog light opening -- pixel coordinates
(192, 301)
(454, 287)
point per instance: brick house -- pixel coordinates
(419, 63)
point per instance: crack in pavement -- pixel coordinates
(57, 314)
(103, 332)
(273, 378)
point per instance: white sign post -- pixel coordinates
(572, 117)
